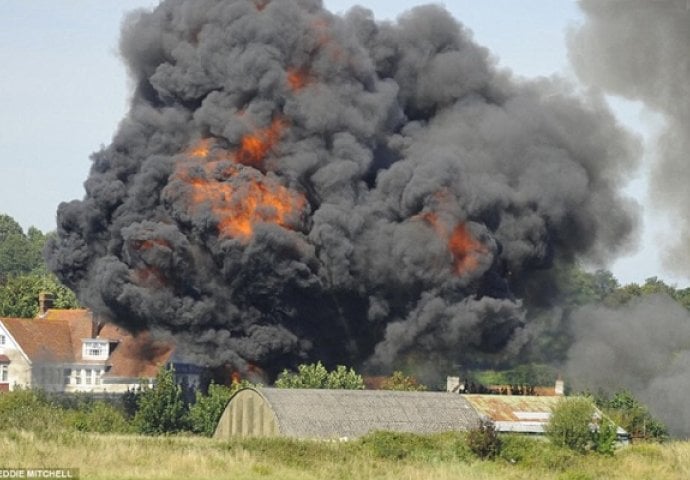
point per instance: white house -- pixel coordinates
(68, 351)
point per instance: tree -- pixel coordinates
(161, 409)
(205, 413)
(570, 424)
(19, 295)
(315, 375)
(19, 253)
(633, 416)
(580, 287)
(401, 382)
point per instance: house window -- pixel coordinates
(3, 340)
(98, 376)
(4, 373)
(95, 349)
(66, 373)
(89, 372)
(77, 377)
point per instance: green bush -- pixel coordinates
(604, 438)
(535, 452)
(161, 409)
(633, 416)
(27, 409)
(570, 424)
(99, 417)
(447, 446)
(519, 449)
(484, 441)
(315, 375)
(205, 412)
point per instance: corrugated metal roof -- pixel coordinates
(309, 413)
(515, 413)
(513, 408)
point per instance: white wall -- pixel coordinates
(19, 373)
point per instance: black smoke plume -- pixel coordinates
(640, 49)
(292, 185)
(643, 347)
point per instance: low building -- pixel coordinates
(525, 414)
(515, 413)
(69, 351)
(338, 414)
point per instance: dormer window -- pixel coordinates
(94, 349)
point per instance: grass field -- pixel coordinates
(378, 456)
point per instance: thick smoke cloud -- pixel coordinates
(644, 347)
(640, 49)
(291, 185)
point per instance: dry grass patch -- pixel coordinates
(138, 457)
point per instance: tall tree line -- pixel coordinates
(23, 272)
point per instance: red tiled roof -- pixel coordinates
(42, 340)
(139, 356)
(57, 337)
(64, 314)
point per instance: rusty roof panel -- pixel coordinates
(513, 408)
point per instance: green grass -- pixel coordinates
(377, 456)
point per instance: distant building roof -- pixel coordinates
(520, 413)
(56, 337)
(515, 413)
(310, 413)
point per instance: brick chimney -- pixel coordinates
(96, 325)
(45, 303)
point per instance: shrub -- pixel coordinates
(130, 402)
(519, 449)
(604, 437)
(99, 417)
(206, 411)
(27, 409)
(484, 441)
(401, 382)
(392, 445)
(633, 416)
(315, 375)
(161, 409)
(570, 424)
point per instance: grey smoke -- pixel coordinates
(404, 138)
(644, 347)
(640, 49)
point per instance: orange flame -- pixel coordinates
(150, 276)
(238, 208)
(255, 146)
(149, 244)
(201, 149)
(235, 377)
(464, 248)
(298, 78)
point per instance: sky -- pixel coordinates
(63, 90)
